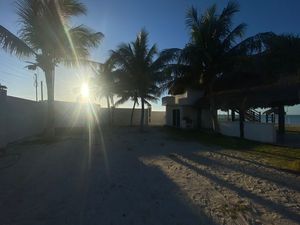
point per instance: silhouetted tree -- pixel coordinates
(46, 34)
(104, 83)
(142, 71)
(209, 52)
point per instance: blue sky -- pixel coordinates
(120, 20)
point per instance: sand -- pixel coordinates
(134, 178)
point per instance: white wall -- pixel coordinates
(230, 128)
(157, 118)
(206, 119)
(262, 132)
(23, 118)
(169, 114)
(70, 114)
(190, 113)
(20, 118)
(122, 116)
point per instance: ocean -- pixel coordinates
(289, 119)
(292, 119)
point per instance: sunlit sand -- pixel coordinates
(140, 178)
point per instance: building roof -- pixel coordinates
(284, 92)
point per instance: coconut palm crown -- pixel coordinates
(46, 35)
(210, 52)
(142, 71)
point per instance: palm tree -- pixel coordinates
(210, 51)
(47, 35)
(104, 83)
(125, 91)
(142, 71)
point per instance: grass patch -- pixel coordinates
(42, 141)
(279, 157)
(294, 129)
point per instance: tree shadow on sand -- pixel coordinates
(79, 183)
(285, 212)
(247, 170)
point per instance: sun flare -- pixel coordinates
(84, 90)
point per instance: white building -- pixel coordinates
(181, 111)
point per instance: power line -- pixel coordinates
(35, 84)
(11, 74)
(15, 70)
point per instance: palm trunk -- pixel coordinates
(213, 112)
(112, 100)
(109, 110)
(142, 114)
(112, 109)
(49, 74)
(132, 111)
(242, 125)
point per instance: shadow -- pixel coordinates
(75, 185)
(252, 171)
(286, 213)
(9, 160)
(210, 138)
(289, 139)
(274, 154)
(256, 163)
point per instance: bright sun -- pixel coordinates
(84, 90)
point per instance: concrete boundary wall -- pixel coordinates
(157, 118)
(20, 118)
(262, 132)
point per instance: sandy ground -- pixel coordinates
(134, 179)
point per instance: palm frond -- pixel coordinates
(252, 45)
(14, 45)
(121, 101)
(68, 8)
(81, 40)
(238, 31)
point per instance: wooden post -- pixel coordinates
(3, 119)
(242, 119)
(232, 115)
(281, 120)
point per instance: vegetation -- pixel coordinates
(214, 61)
(104, 83)
(210, 51)
(142, 71)
(47, 35)
(276, 156)
(215, 58)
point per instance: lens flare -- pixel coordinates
(84, 90)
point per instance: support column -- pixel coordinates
(242, 119)
(3, 114)
(281, 120)
(232, 115)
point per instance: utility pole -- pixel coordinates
(36, 86)
(42, 94)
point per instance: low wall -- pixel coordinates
(20, 118)
(70, 114)
(262, 132)
(157, 118)
(206, 121)
(121, 117)
(230, 128)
